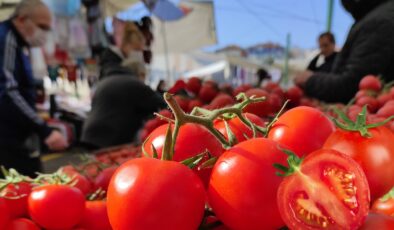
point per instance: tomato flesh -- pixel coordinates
(329, 191)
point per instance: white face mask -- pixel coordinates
(135, 56)
(38, 38)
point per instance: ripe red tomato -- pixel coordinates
(22, 224)
(238, 128)
(261, 109)
(386, 111)
(103, 178)
(81, 182)
(270, 86)
(383, 98)
(221, 100)
(193, 85)
(15, 196)
(186, 145)
(370, 82)
(294, 94)
(302, 130)
(372, 103)
(374, 154)
(95, 216)
(241, 89)
(195, 103)
(207, 92)
(183, 102)
(329, 190)
(146, 193)
(4, 214)
(376, 221)
(56, 206)
(243, 185)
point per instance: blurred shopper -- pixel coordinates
(120, 105)
(161, 87)
(19, 122)
(262, 75)
(132, 46)
(324, 60)
(369, 49)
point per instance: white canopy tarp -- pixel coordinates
(195, 30)
(111, 7)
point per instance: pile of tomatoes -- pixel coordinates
(209, 95)
(303, 172)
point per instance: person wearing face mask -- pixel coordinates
(131, 48)
(120, 105)
(27, 27)
(369, 49)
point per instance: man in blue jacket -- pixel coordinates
(19, 122)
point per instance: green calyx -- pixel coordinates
(57, 178)
(388, 196)
(360, 125)
(11, 177)
(293, 162)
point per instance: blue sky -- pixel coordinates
(247, 22)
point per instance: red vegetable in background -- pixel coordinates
(370, 82)
(326, 190)
(147, 193)
(261, 108)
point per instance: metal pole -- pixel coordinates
(330, 14)
(169, 79)
(285, 79)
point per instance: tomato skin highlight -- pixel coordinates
(149, 194)
(17, 206)
(95, 216)
(22, 224)
(56, 206)
(302, 130)
(375, 155)
(329, 191)
(243, 185)
(385, 207)
(376, 221)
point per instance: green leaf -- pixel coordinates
(362, 117)
(154, 151)
(209, 163)
(343, 116)
(231, 137)
(167, 147)
(192, 162)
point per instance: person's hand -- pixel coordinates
(302, 78)
(56, 141)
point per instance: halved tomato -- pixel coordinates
(326, 190)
